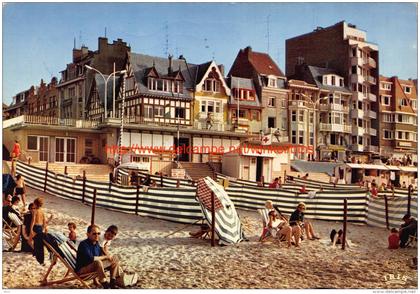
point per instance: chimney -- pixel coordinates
(170, 64)
(222, 69)
(102, 43)
(248, 50)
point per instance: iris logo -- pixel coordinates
(396, 279)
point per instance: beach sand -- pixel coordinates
(179, 261)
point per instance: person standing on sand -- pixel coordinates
(27, 220)
(38, 229)
(90, 258)
(16, 150)
(20, 189)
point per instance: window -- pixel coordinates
(271, 122)
(148, 111)
(272, 101)
(354, 52)
(311, 117)
(272, 82)
(385, 86)
(301, 141)
(203, 106)
(385, 100)
(333, 80)
(242, 113)
(72, 92)
(414, 104)
(129, 84)
(284, 123)
(210, 106)
(341, 82)
(293, 137)
(158, 111)
(179, 112)
(388, 134)
(407, 89)
(403, 102)
(388, 117)
(311, 138)
(293, 115)
(325, 81)
(283, 102)
(218, 107)
(32, 143)
(211, 85)
(301, 115)
(255, 115)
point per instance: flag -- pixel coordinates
(266, 140)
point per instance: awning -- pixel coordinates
(410, 169)
(392, 167)
(367, 166)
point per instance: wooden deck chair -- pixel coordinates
(266, 232)
(68, 258)
(412, 240)
(10, 233)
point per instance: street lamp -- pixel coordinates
(106, 88)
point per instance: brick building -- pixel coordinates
(45, 101)
(398, 117)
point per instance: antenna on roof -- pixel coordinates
(74, 43)
(268, 34)
(80, 37)
(166, 39)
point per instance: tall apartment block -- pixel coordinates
(398, 117)
(344, 48)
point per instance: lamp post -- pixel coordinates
(106, 87)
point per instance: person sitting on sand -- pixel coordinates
(72, 232)
(109, 235)
(394, 239)
(12, 217)
(336, 237)
(297, 219)
(408, 228)
(90, 258)
(279, 227)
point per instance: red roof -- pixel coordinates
(263, 64)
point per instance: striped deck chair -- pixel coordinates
(9, 233)
(266, 233)
(68, 257)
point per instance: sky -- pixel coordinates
(38, 38)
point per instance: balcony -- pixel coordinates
(357, 148)
(372, 131)
(359, 96)
(333, 107)
(357, 131)
(371, 148)
(371, 80)
(372, 62)
(339, 128)
(300, 103)
(372, 114)
(356, 79)
(357, 113)
(356, 61)
(372, 97)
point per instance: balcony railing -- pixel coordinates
(371, 80)
(50, 121)
(343, 128)
(370, 148)
(372, 97)
(357, 113)
(372, 62)
(372, 132)
(372, 114)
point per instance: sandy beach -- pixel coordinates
(179, 261)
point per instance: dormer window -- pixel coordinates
(243, 94)
(162, 85)
(211, 85)
(272, 82)
(325, 81)
(407, 90)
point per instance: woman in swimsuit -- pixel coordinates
(20, 189)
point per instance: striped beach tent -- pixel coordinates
(227, 223)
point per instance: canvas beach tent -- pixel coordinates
(227, 223)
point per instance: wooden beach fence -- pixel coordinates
(84, 186)
(343, 246)
(386, 211)
(92, 218)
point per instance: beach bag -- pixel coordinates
(127, 279)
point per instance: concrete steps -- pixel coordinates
(94, 172)
(197, 170)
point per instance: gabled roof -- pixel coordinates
(205, 68)
(263, 63)
(142, 65)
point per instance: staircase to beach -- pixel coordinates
(197, 170)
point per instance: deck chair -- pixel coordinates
(10, 233)
(412, 240)
(67, 255)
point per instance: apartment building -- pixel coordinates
(331, 125)
(344, 48)
(398, 117)
(77, 83)
(270, 85)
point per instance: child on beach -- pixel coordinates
(37, 229)
(20, 189)
(394, 239)
(109, 235)
(72, 232)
